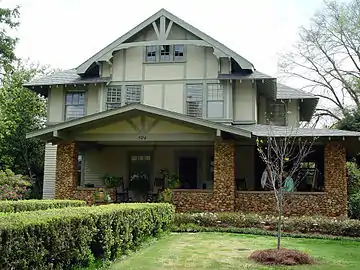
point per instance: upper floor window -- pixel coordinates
(113, 98)
(215, 100)
(165, 53)
(74, 105)
(133, 94)
(151, 53)
(277, 114)
(194, 100)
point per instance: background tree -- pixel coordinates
(326, 59)
(283, 154)
(8, 20)
(22, 111)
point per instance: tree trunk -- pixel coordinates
(280, 206)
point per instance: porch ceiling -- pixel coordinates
(137, 122)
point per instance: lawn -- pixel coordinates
(231, 251)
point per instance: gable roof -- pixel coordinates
(244, 63)
(89, 119)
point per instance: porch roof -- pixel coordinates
(260, 130)
(53, 131)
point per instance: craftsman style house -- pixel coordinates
(167, 96)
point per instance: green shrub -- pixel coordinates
(63, 238)
(303, 225)
(354, 205)
(33, 205)
(353, 173)
(13, 186)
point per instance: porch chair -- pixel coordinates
(122, 193)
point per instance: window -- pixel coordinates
(113, 98)
(80, 164)
(215, 100)
(165, 53)
(133, 94)
(74, 105)
(179, 52)
(194, 99)
(277, 115)
(151, 53)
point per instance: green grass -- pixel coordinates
(231, 251)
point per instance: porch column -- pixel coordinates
(335, 179)
(224, 176)
(66, 171)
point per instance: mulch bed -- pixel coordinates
(281, 257)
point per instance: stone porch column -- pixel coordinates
(335, 179)
(66, 171)
(224, 176)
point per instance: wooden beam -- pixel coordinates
(168, 29)
(156, 30)
(162, 28)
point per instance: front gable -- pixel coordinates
(158, 30)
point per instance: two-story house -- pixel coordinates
(167, 96)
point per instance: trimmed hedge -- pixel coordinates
(296, 225)
(62, 238)
(33, 205)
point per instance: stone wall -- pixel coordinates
(221, 199)
(295, 204)
(66, 176)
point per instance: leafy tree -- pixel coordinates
(326, 59)
(8, 20)
(22, 111)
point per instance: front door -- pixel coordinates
(188, 172)
(141, 164)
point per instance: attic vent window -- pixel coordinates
(165, 53)
(151, 53)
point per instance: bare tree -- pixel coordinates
(283, 152)
(326, 59)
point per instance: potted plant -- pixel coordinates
(111, 181)
(166, 196)
(139, 184)
(171, 180)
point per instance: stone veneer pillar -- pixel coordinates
(224, 176)
(335, 179)
(66, 171)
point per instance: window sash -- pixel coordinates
(74, 105)
(113, 97)
(133, 94)
(194, 100)
(215, 100)
(165, 52)
(151, 53)
(215, 109)
(278, 114)
(179, 52)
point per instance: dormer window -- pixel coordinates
(165, 53)
(277, 113)
(74, 105)
(151, 53)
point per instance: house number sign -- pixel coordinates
(142, 137)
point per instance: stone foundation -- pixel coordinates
(66, 176)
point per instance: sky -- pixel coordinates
(64, 33)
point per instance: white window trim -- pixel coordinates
(158, 56)
(123, 93)
(218, 100)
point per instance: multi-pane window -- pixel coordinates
(151, 53)
(74, 105)
(215, 100)
(179, 52)
(165, 53)
(113, 98)
(133, 94)
(277, 113)
(194, 98)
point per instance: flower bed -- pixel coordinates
(302, 225)
(62, 238)
(33, 205)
